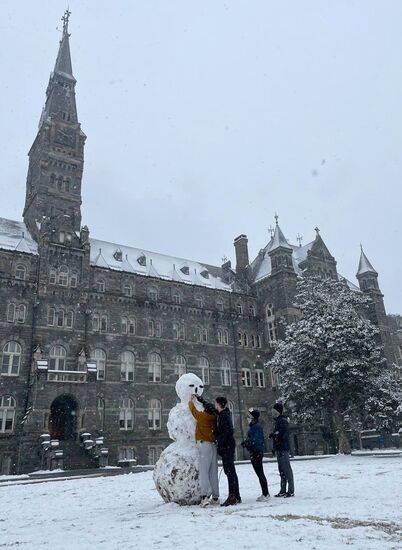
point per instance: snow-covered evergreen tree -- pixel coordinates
(330, 361)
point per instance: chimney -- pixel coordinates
(241, 249)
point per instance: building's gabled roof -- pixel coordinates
(15, 236)
(261, 266)
(365, 265)
(279, 240)
(158, 266)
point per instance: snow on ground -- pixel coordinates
(341, 502)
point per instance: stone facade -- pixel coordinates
(69, 302)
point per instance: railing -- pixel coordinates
(66, 376)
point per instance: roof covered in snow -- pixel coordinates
(365, 265)
(261, 266)
(15, 236)
(152, 264)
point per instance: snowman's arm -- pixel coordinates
(193, 410)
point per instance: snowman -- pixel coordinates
(177, 471)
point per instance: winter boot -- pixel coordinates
(288, 495)
(230, 501)
(214, 501)
(204, 502)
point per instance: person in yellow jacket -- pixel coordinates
(205, 436)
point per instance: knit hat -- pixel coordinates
(254, 413)
(278, 407)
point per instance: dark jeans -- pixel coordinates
(256, 461)
(228, 457)
(285, 471)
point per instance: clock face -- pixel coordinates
(65, 136)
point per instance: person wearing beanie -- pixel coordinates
(255, 444)
(226, 449)
(205, 436)
(280, 437)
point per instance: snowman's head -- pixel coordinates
(187, 385)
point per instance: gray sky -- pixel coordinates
(205, 117)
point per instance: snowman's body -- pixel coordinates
(176, 473)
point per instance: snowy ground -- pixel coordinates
(341, 502)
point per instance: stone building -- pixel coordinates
(93, 335)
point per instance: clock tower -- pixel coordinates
(56, 158)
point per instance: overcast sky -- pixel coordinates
(204, 118)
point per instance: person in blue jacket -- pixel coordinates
(255, 444)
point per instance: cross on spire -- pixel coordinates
(65, 19)
(299, 239)
(276, 218)
(316, 229)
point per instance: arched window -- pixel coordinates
(69, 319)
(246, 374)
(7, 414)
(63, 276)
(126, 414)
(176, 331)
(20, 272)
(239, 308)
(252, 310)
(10, 364)
(204, 367)
(220, 336)
(127, 366)
(20, 312)
(274, 377)
(226, 336)
(271, 324)
(154, 414)
(52, 179)
(127, 289)
(99, 357)
(219, 305)
(57, 358)
(231, 409)
(73, 279)
(124, 325)
(100, 285)
(11, 313)
(151, 328)
(60, 318)
(259, 378)
(226, 375)
(154, 368)
(202, 335)
(180, 365)
(101, 412)
(153, 293)
(131, 325)
(52, 276)
(176, 298)
(199, 302)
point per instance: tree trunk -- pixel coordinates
(344, 443)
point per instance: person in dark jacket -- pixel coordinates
(226, 449)
(280, 436)
(255, 444)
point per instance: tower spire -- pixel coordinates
(364, 264)
(63, 62)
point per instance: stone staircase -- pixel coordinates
(75, 457)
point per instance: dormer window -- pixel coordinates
(142, 260)
(205, 274)
(185, 269)
(118, 255)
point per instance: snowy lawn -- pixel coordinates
(341, 502)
